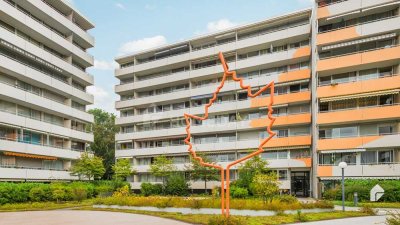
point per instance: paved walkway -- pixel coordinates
(71, 217)
(369, 220)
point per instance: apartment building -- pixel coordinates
(43, 79)
(357, 89)
(336, 96)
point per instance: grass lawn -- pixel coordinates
(256, 220)
(37, 206)
(372, 204)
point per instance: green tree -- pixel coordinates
(249, 169)
(265, 185)
(88, 166)
(199, 172)
(104, 130)
(122, 169)
(162, 167)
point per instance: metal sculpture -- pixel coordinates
(225, 195)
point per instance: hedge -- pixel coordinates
(363, 188)
(40, 192)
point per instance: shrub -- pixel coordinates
(238, 192)
(176, 185)
(368, 210)
(289, 199)
(79, 194)
(148, 189)
(40, 193)
(122, 192)
(221, 220)
(300, 216)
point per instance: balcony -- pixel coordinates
(361, 171)
(60, 130)
(304, 96)
(347, 6)
(390, 55)
(360, 142)
(35, 174)
(358, 87)
(353, 32)
(293, 119)
(17, 146)
(44, 103)
(292, 141)
(43, 30)
(385, 112)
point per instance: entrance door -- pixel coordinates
(300, 183)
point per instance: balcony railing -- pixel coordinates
(31, 168)
(359, 52)
(40, 144)
(360, 107)
(356, 79)
(325, 3)
(358, 135)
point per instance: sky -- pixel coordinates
(128, 26)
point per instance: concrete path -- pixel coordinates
(71, 217)
(378, 211)
(369, 220)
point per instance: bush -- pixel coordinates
(289, 199)
(238, 192)
(122, 192)
(363, 187)
(176, 185)
(40, 194)
(221, 220)
(148, 189)
(368, 210)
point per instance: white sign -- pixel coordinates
(376, 193)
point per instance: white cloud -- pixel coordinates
(120, 5)
(221, 24)
(142, 44)
(102, 99)
(104, 65)
(218, 25)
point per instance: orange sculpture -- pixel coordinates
(225, 196)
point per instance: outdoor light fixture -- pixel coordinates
(343, 165)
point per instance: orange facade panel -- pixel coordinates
(294, 75)
(323, 12)
(345, 143)
(337, 35)
(366, 114)
(366, 86)
(302, 52)
(325, 171)
(376, 56)
(282, 99)
(283, 120)
(288, 141)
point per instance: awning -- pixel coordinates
(292, 82)
(362, 95)
(29, 156)
(344, 150)
(124, 141)
(344, 44)
(202, 96)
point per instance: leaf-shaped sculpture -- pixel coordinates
(225, 196)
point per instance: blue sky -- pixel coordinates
(126, 26)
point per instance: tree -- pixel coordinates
(249, 169)
(104, 130)
(177, 185)
(265, 185)
(88, 166)
(122, 169)
(162, 167)
(199, 172)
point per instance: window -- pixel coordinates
(283, 133)
(326, 159)
(324, 107)
(385, 156)
(386, 100)
(368, 157)
(385, 130)
(349, 158)
(344, 104)
(369, 101)
(300, 153)
(283, 174)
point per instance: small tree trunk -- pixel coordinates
(205, 185)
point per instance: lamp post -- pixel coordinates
(343, 165)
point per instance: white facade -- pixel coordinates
(43, 80)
